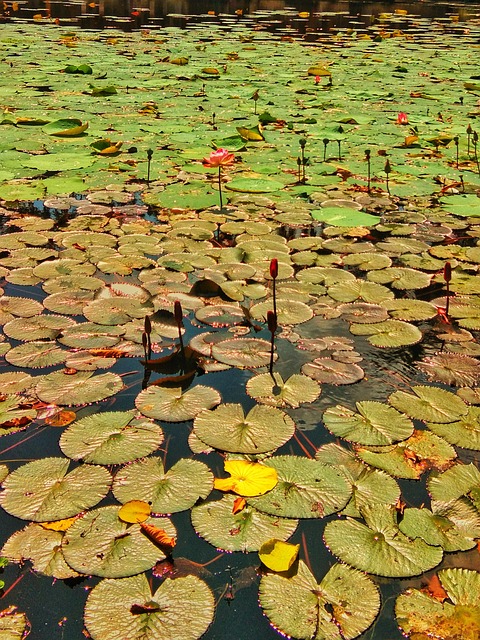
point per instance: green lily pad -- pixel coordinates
(111, 437)
(374, 423)
(454, 483)
(379, 546)
(44, 490)
(170, 491)
(454, 526)
(127, 608)
(388, 334)
(293, 392)
(344, 217)
(342, 606)
(68, 127)
(80, 388)
(429, 404)
(99, 543)
(419, 614)
(254, 185)
(42, 547)
(36, 354)
(246, 530)
(172, 404)
(227, 428)
(305, 489)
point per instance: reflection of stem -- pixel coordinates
(447, 305)
(220, 186)
(272, 347)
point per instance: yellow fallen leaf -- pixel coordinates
(59, 525)
(247, 478)
(134, 511)
(278, 555)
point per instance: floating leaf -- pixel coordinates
(452, 369)
(45, 490)
(247, 478)
(331, 371)
(245, 530)
(374, 423)
(305, 489)
(42, 547)
(378, 546)
(175, 405)
(421, 614)
(296, 390)
(343, 605)
(140, 615)
(101, 544)
(227, 428)
(111, 437)
(13, 625)
(68, 127)
(412, 457)
(278, 555)
(462, 433)
(391, 333)
(454, 483)
(170, 491)
(81, 388)
(454, 526)
(429, 404)
(242, 352)
(134, 511)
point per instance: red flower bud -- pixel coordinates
(274, 268)
(272, 321)
(148, 325)
(447, 272)
(178, 313)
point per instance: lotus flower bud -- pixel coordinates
(274, 268)
(447, 272)
(272, 321)
(178, 313)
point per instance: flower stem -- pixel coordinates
(220, 186)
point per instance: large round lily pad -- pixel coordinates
(227, 428)
(341, 607)
(374, 423)
(423, 615)
(242, 352)
(45, 490)
(111, 437)
(169, 491)
(246, 530)
(273, 390)
(80, 388)
(42, 547)
(429, 404)
(101, 544)
(180, 609)
(305, 489)
(378, 546)
(175, 405)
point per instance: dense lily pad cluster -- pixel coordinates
(180, 299)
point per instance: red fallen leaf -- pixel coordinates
(148, 607)
(107, 353)
(239, 505)
(159, 536)
(163, 568)
(436, 590)
(15, 423)
(61, 419)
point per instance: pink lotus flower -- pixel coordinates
(402, 118)
(219, 158)
(317, 79)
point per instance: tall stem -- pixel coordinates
(220, 186)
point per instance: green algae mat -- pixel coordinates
(242, 333)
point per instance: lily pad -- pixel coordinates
(305, 489)
(45, 490)
(374, 423)
(127, 608)
(170, 491)
(429, 404)
(227, 428)
(379, 547)
(419, 614)
(80, 388)
(99, 543)
(111, 437)
(342, 606)
(175, 405)
(273, 390)
(246, 530)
